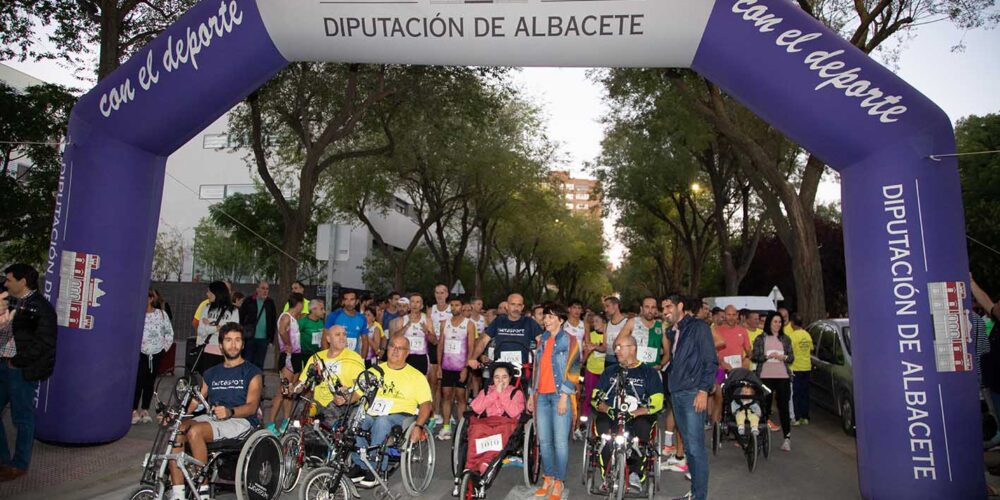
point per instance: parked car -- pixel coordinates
(832, 376)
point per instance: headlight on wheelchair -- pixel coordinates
(181, 388)
(605, 437)
(583, 418)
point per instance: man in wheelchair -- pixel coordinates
(232, 390)
(643, 399)
(337, 365)
(403, 397)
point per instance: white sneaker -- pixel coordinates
(135, 418)
(786, 445)
(445, 434)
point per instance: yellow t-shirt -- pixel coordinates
(802, 344)
(402, 391)
(197, 312)
(788, 329)
(753, 336)
(345, 366)
(595, 362)
(305, 306)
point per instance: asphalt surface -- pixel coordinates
(821, 465)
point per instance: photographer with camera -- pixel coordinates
(27, 356)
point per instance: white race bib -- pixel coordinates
(418, 344)
(352, 344)
(333, 369)
(317, 338)
(453, 346)
(512, 357)
(647, 354)
(734, 360)
(489, 443)
(380, 407)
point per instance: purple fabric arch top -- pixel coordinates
(914, 391)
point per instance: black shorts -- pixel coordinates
(451, 379)
(432, 351)
(418, 361)
(296, 362)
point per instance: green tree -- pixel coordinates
(30, 162)
(221, 255)
(168, 255)
(980, 176)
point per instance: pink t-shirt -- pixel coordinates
(737, 343)
(495, 403)
(773, 368)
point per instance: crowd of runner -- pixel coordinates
(577, 353)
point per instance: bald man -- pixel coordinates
(512, 333)
(735, 353)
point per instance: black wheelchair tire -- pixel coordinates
(144, 492)
(459, 448)
(259, 441)
(318, 480)
(530, 455)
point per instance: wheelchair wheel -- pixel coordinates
(144, 492)
(291, 447)
(417, 463)
(259, 468)
(622, 484)
(659, 458)
(765, 443)
(459, 448)
(751, 452)
(468, 489)
(585, 466)
(529, 455)
(318, 485)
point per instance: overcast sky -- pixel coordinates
(962, 83)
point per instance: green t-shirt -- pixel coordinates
(310, 335)
(649, 342)
(261, 331)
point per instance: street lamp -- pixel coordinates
(695, 187)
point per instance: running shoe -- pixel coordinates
(786, 445)
(796, 423)
(368, 480)
(668, 450)
(145, 419)
(674, 465)
(135, 418)
(445, 433)
(773, 426)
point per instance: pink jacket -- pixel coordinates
(495, 403)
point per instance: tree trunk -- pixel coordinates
(108, 58)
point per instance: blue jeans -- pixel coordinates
(800, 394)
(553, 434)
(380, 428)
(691, 426)
(255, 351)
(20, 394)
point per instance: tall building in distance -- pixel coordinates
(581, 196)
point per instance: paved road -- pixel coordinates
(821, 465)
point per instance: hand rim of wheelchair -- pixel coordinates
(406, 461)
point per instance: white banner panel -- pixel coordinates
(620, 33)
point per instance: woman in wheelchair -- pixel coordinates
(499, 408)
(403, 398)
(642, 389)
(232, 391)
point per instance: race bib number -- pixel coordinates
(418, 345)
(512, 357)
(453, 346)
(352, 344)
(333, 369)
(317, 338)
(734, 361)
(647, 354)
(489, 443)
(380, 407)
(641, 338)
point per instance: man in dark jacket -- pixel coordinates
(259, 317)
(690, 377)
(27, 356)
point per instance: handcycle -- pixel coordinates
(414, 460)
(522, 444)
(611, 479)
(249, 464)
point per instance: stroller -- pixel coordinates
(746, 406)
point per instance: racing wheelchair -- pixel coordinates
(744, 389)
(414, 460)
(522, 442)
(250, 465)
(611, 479)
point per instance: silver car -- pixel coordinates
(832, 379)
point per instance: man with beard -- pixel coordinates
(233, 390)
(354, 323)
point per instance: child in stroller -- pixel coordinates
(745, 396)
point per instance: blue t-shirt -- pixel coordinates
(504, 332)
(356, 326)
(229, 386)
(387, 318)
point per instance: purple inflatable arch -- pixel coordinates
(917, 409)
